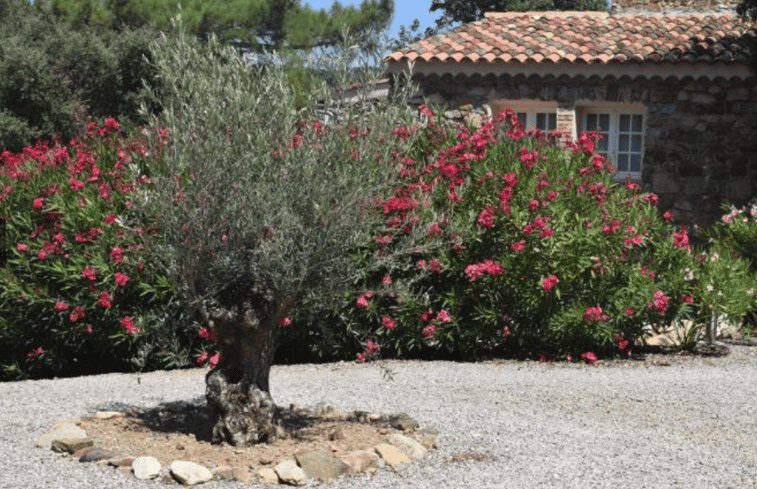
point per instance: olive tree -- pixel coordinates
(258, 205)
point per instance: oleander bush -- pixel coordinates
(79, 295)
(501, 242)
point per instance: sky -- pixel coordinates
(405, 11)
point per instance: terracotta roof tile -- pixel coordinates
(588, 37)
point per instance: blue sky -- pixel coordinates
(405, 11)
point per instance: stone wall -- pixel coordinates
(700, 135)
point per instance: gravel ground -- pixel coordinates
(684, 422)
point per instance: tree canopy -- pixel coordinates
(461, 11)
(247, 24)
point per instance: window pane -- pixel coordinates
(604, 121)
(636, 163)
(636, 143)
(522, 118)
(625, 123)
(637, 123)
(546, 121)
(623, 163)
(591, 122)
(623, 143)
(541, 121)
(601, 146)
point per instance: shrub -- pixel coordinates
(517, 247)
(729, 264)
(78, 294)
(54, 79)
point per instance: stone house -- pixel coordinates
(671, 92)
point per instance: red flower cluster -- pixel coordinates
(595, 314)
(475, 270)
(129, 326)
(388, 323)
(660, 302)
(548, 282)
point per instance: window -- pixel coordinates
(546, 121)
(622, 141)
(531, 113)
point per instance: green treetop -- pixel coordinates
(248, 24)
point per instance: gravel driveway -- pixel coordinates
(664, 422)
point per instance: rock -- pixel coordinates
(97, 454)
(146, 468)
(267, 475)
(403, 422)
(321, 465)
(428, 438)
(392, 455)
(362, 460)
(290, 473)
(223, 473)
(70, 445)
(61, 430)
(121, 462)
(190, 473)
(80, 453)
(108, 414)
(409, 447)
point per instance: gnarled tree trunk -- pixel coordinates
(237, 392)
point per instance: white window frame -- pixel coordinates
(530, 108)
(619, 143)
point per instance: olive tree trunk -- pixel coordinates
(237, 393)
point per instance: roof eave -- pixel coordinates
(663, 70)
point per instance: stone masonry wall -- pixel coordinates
(700, 135)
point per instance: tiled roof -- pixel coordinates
(587, 37)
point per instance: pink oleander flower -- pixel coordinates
(61, 306)
(519, 246)
(621, 343)
(21, 247)
(89, 273)
(660, 302)
(547, 283)
(285, 322)
(104, 300)
(362, 302)
(386, 280)
(121, 279)
(429, 331)
(388, 323)
(129, 326)
(486, 218)
(35, 353)
(546, 233)
(213, 361)
(443, 316)
(589, 357)
(76, 314)
(117, 254)
(38, 204)
(595, 314)
(202, 358)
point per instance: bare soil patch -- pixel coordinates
(182, 431)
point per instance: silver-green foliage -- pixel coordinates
(254, 201)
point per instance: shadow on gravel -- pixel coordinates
(192, 418)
